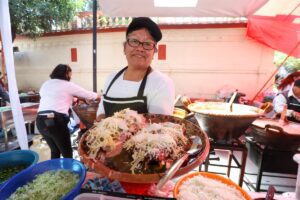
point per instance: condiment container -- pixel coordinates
(41, 147)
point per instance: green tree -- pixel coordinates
(292, 64)
(89, 6)
(35, 17)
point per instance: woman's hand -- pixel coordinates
(79, 101)
(267, 107)
(99, 118)
(98, 97)
(296, 115)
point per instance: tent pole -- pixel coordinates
(292, 11)
(274, 73)
(95, 45)
(3, 63)
(18, 118)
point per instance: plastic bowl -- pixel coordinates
(17, 157)
(30, 173)
(211, 176)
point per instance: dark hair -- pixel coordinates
(145, 22)
(297, 83)
(60, 72)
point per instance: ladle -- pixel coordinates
(231, 101)
(169, 174)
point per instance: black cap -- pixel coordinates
(297, 83)
(145, 22)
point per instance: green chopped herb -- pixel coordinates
(51, 185)
(9, 171)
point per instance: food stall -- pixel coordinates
(9, 141)
(259, 25)
(112, 171)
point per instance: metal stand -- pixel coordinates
(271, 160)
(7, 123)
(231, 148)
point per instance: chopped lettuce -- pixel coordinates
(50, 185)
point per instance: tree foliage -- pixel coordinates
(292, 64)
(35, 17)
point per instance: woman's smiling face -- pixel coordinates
(138, 57)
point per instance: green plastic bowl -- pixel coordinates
(17, 157)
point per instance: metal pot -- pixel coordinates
(219, 123)
(275, 134)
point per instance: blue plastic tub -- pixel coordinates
(30, 173)
(17, 157)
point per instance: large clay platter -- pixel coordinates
(121, 172)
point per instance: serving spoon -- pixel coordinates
(174, 168)
(231, 101)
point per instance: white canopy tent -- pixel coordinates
(5, 28)
(202, 8)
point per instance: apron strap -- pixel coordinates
(143, 84)
(115, 78)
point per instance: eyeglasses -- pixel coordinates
(135, 43)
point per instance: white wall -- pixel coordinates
(200, 61)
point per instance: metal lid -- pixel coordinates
(289, 128)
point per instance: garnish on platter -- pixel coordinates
(128, 142)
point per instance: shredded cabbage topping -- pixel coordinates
(160, 142)
(51, 185)
(118, 128)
